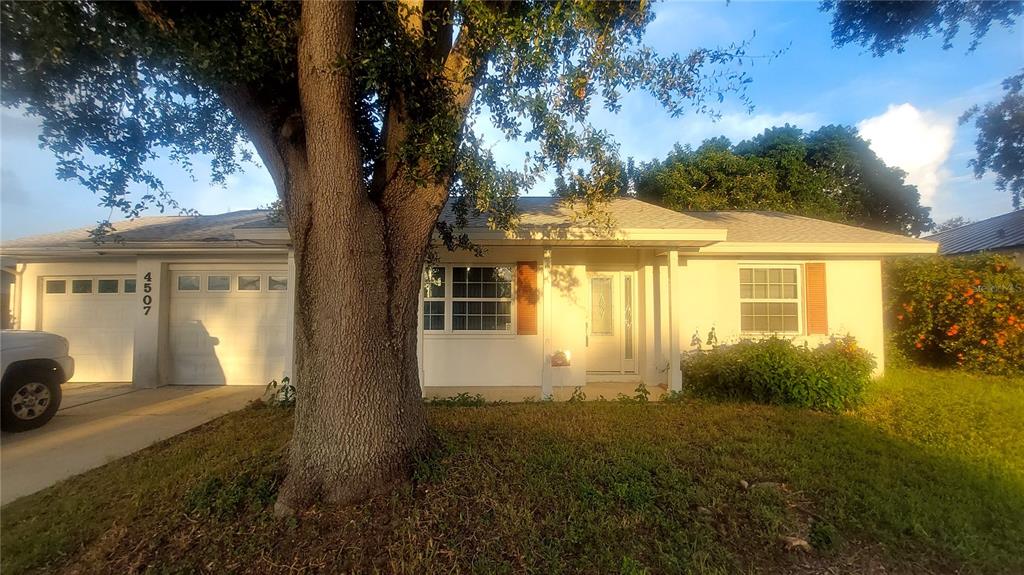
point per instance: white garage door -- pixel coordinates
(228, 327)
(96, 315)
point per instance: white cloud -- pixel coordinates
(917, 141)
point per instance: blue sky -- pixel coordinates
(907, 104)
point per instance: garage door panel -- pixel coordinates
(100, 329)
(228, 337)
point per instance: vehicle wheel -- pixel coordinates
(29, 399)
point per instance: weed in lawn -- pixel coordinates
(463, 399)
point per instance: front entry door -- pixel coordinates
(611, 330)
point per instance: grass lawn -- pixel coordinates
(927, 477)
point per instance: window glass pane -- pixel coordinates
(746, 291)
(56, 286)
(188, 283)
(761, 275)
(746, 276)
(277, 283)
(248, 283)
(106, 286)
(760, 323)
(81, 286)
(435, 283)
(789, 291)
(218, 283)
(129, 286)
(602, 312)
(789, 275)
(790, 323)
(747, 322)
(433, 315)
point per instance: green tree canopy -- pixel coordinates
(830, 173)
(1000, 141)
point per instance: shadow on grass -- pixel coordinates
(546, 488)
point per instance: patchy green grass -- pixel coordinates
(927, 477)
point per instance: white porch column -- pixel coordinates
(149, 361)
(547, 302)
(289, 359)
(675, 374)
(651, 337)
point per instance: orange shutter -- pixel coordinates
(526, 298)
(816, 305)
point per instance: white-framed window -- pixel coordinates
(81, 286)
(461, 299)
(434, 303)
(218, 282)
(104, 285)
(129, 285)
(56, 286)
(770, 299)
(277, 283)
(188, 283)
(248, 283)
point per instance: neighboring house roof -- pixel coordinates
(1001, 232)
(622, 221)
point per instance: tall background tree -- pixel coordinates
(830, 173)
(885, 27)
(1000, 141)
(363, 113)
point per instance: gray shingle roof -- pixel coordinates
(218, 227)
(1005, 231)
(626, 213)
(777, 227)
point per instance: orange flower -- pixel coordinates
(977, 282)
(899, 317)
(970, 302)
(984, 342)
(969, 292)
(918, 345)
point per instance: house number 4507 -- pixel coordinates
(147, 296)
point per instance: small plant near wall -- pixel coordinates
(280, 394)
(831, 377)
(961, 311)
(463, 399)
(640, 395)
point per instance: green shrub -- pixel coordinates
(831, 377)
(962, 311)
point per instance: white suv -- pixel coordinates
(35, 364)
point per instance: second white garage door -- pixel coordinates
(228, 327)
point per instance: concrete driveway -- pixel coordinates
(100, 422)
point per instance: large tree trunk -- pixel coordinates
(359, 416)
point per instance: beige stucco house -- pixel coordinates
(208, 299)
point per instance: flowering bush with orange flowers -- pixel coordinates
(957, 311)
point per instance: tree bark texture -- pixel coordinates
(359, 415)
